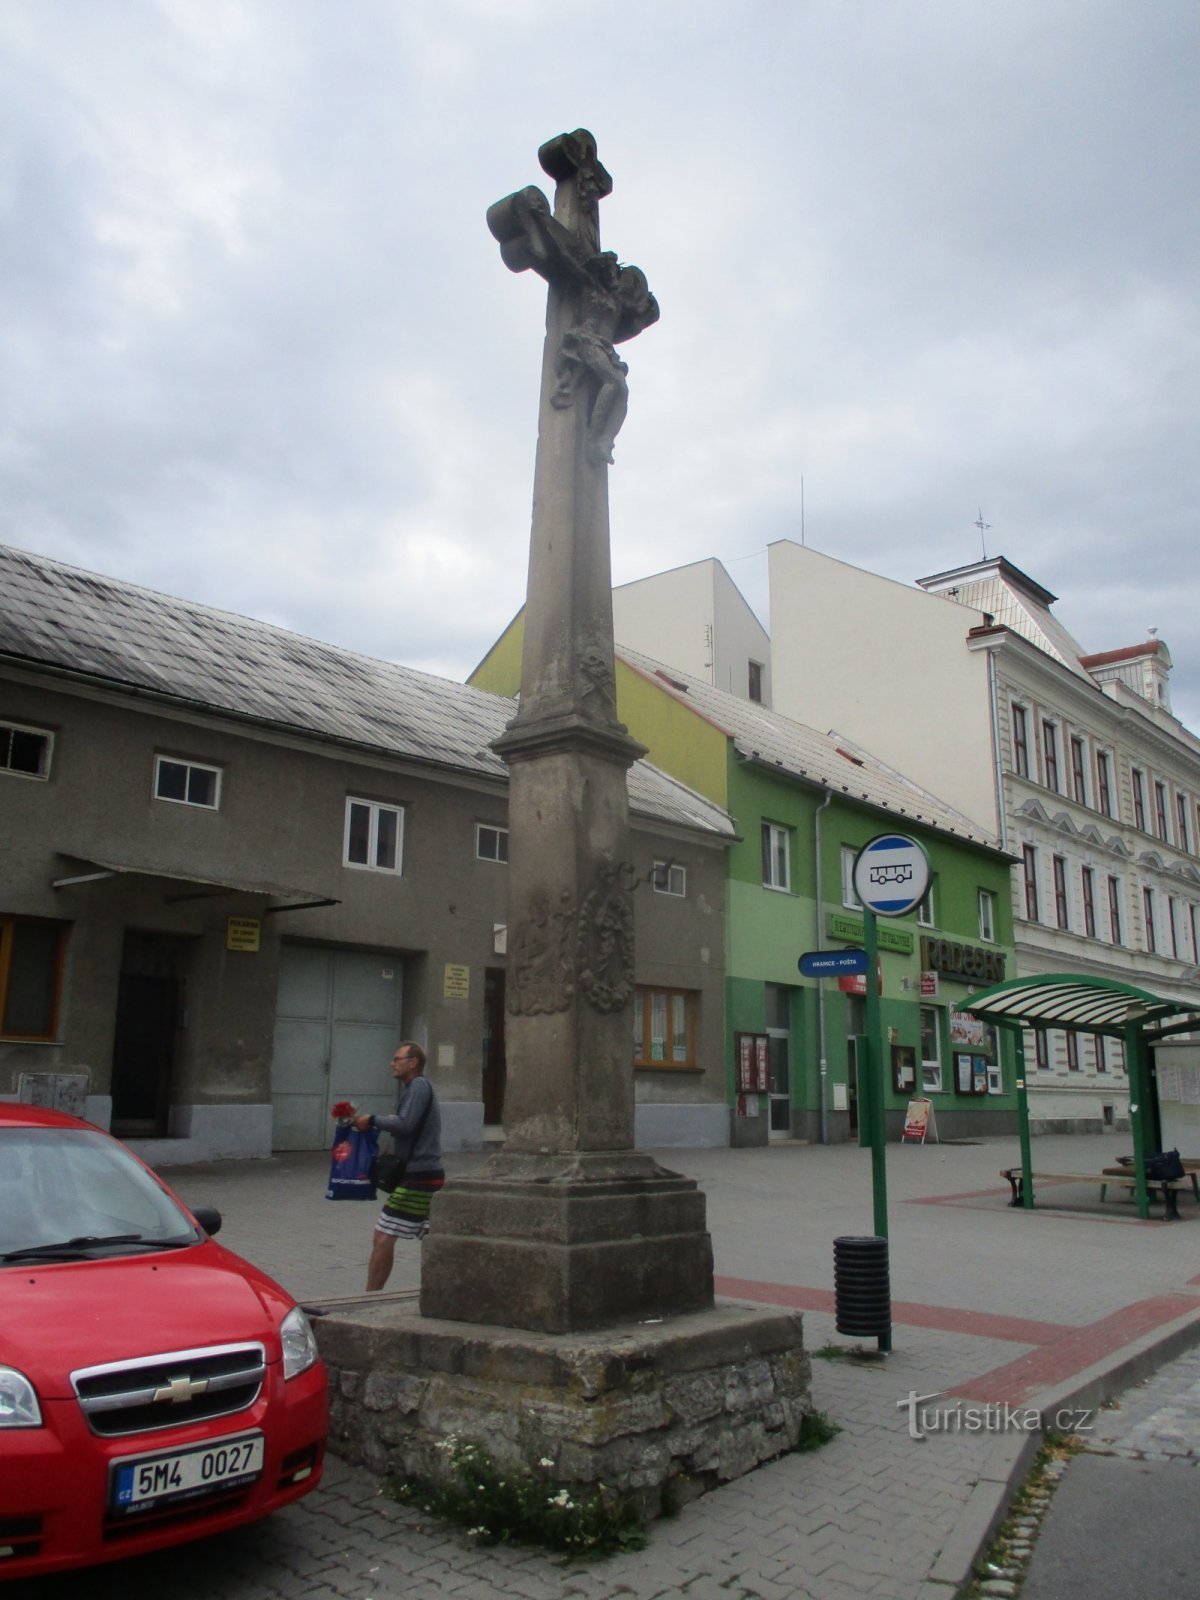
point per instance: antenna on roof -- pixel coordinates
(983, 528)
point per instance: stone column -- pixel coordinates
(570, 1228)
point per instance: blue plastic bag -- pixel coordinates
(350, 1164)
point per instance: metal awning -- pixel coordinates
(203, 887)
(1071, 1000)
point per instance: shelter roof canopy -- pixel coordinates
(1075, 1001)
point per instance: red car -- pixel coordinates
(153, 1385)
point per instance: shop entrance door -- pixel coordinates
(778, 1030)
(143, 1058)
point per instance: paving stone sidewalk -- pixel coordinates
(1075, 1295)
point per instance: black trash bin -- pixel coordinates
(862, 1287)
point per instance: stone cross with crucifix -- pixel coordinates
(570, 1227)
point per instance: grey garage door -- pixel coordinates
(337, 1021)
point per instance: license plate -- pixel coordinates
(141, 1482)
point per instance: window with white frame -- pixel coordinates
(1079, 769)
(1071, 1039)
(374, 836)
(1181, 813)
(987, 915)
(1098, 1061)
(849, 893)
(187, 783)
(1029, 866)
(1148, 919)
(1041, 1049)
(1160, 811)
(931, 1049)
(491, 842)
(669, 877)
(776, 869)
(1114, 909)
(1020, 741)
(925, 914)
(25, 751)
(1195, 933)
(1050, 755)
(1173, 926)
(1088, 879)
(1104, 781)
(995, 1070)
(1138, 779)
(1062, 908)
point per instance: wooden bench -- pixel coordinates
(1119, 1177)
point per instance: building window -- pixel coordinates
(1173, 927)
(1160, 811)
(664, 1028)
(1195, 942)
(31, 963)
(1098, 1061)
(374, 836)
(755, 683)
(1061, 908)
(925, 909)
(1041, 1050)
(669, 877)
(1088, 876)
(1114, 909)
(775, 867)
(1072, 1043)
(491, 843)
(1104, 781)
(1078, 770)
(1138, 780)
(25, 751)
(1050, 755)
(987, 915)
(187, 783)
(1029, 858)
(1181, 812)
(931, 1049)
(849, 895)
(1148, 918)
(1020, 737)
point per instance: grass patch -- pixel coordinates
(816, 1429)
(497, 1505)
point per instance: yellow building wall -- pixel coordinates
(679, 740)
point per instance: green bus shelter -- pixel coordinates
(1090, 1005)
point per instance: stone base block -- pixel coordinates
(567, 1242)
(663, 1409)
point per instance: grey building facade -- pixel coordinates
(236, 865)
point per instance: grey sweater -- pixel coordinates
(418, 1141)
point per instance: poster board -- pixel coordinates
(1178, 1081)
(753, 1063)
(920, 1124)
(904, 1068)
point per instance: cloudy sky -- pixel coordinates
(928, 257)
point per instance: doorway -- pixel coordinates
(337, 1022)
(494, 1059)
(779, 1037)
(149, 995)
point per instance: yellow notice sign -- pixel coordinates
(456, 984)
(243, 933)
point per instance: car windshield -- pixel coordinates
(74, 1192)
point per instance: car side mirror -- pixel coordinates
(209, 1219)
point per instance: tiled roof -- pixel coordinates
(135, 639)
(826, 759)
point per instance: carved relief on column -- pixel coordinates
(606, 943)
(541, 961)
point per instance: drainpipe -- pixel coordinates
(824, 1065)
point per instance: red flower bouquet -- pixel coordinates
(343, 1111)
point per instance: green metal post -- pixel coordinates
(1137, 1077)
(1018, 1038)
(875, 1073)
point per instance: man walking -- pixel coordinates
(416, 1130)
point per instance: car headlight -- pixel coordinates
(299, 1343)
(18, 1401)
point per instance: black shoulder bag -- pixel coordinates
(387, 1169)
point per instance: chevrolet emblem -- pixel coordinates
(180, 1390)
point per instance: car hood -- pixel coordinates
(85, 1313)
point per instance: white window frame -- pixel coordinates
(670, 877)
(849, 894)
(9, 728)
(375, 807)
(931, 1066)
(926, 917)
(1105, 780)
(189, 766)
(774, 836)
(500, 835)
(986, 901)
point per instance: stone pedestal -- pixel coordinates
(565, 1242)
(662, 1409)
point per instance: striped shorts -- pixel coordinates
(405, 1213)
